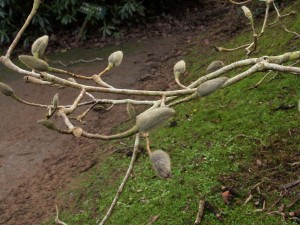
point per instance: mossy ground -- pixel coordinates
(201, 160)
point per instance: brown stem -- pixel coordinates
(34, 9)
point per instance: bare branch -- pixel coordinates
(57, 220)
(34, 9)
(200, 212)
(77, 61)
(125, 179)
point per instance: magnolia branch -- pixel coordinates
(125, 179)
(34, 9)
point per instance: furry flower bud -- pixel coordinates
(34, 63)
(154, 118)
(210, 86)
(161, 163)
(115, 59)
(214, 66)
(39, 46)
(131, 111)
(6, 89)
(55, 101)
(48, 124)
(247, 13)
(179, 68)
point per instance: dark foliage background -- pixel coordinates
(103, 17)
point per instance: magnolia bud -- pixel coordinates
(48, 124)
(6, 90)
(39, 46)
(247, 13)
(131, 111)
(214, 66)
(55, 101)
(161, 163)
(115, 59)
(77, 132)
(34, 63)
(210, 86)
(179, 68)
(153, 118)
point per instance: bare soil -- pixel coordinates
(35, 163)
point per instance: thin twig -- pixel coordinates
(125, 179)
(290, 185)
(261, 80)
(292, 32)
(214, 210)
(153, 219)
(77, 61)
(239, 3)
(276, 201)
(200, 212)
(57, 220)
(34, 9)
(246, 136)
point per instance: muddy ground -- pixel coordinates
(35, 163)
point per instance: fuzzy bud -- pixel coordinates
(154, 118)
(247, 13)
(161, 163)
(179, 68)
(210, 86)
(34, 63)
(77, 132)
(131, 111)
(6, 89)
(55, 101)
(214, 66)
(39, 46)
(115, 59)
(48, 124)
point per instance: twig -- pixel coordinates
(292, 32)
(239, 3)
(69, 110)
(56, 70)
(246, 136)
(34, 9)
(58, 221)
(294, 163)
(221, 49)
(250, 197)
(265, 19)
(153, 219)
(148, 144)
(214, 210)
(57, 80)
(279, 15)
(276, 201)
(293, 202)
(261, 80)
(290, 185)
(77, 61)
(125, 179)
(200, 212)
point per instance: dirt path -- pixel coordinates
(35, 163)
